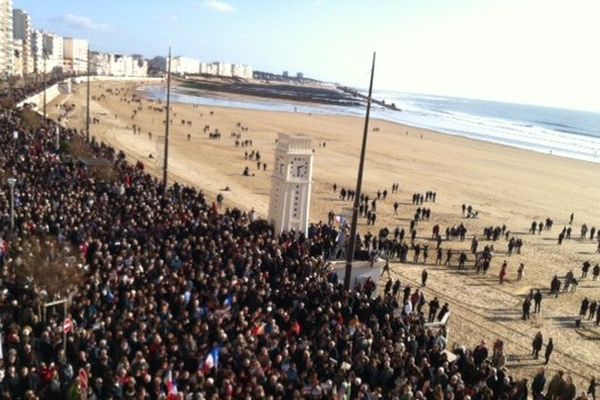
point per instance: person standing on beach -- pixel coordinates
(462, 259)
(585, 304)
(592, 388)
(593, 308)
(526, 308)
(537, 298)
(520, 271)
(424, 276)
(503, 272)
(434, 305)
(537, 386)
(438, 258)
(536, 345)
(561, 237)
(585, 267)
(549, 350)
(571, 218)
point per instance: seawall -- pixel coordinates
(64, 87)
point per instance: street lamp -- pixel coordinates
(87, 119)
(11, 183)
(89, 73)
(361, 167)
(45, 56)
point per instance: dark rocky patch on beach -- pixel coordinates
(309, 94)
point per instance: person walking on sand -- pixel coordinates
(592, 388)
(537, 299)
(424, 276)
(526, 308)
(537, 386)
(448, 257)
(520, 271)
(549, 350)
(386, 268)
(503, 272)
(585, 305)
(593, 308)
(536, 345)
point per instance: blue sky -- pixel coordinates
(530, 51)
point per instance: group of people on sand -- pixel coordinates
(420, 198)
(590, 310)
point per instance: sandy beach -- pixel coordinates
(505, 185)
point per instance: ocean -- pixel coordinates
(561, 132)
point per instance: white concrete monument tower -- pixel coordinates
(291, 184)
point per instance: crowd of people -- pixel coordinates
(182, 301)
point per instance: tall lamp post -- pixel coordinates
(87, 102)
(361, 166)
(166, 161)
(45, 55)
(87, 120)
(11, 183)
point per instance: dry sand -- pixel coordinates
(506, 185)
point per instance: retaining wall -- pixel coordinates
(64, 87)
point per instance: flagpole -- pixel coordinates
(361, 166)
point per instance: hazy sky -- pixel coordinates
(531, 51)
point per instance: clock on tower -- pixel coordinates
(291, 184)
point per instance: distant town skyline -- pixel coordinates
(523, 51)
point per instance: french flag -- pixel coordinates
(171, 387)
(212, 360)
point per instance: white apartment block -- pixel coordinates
(118, 65)
(138, 67)
(75, 52)
(184, 65)
(241, 71)
(209, 68)
(53, 47)
(18, 57)
(6, 38)
(100, 63)
(22, 30)
(37, 51)
(224, 69)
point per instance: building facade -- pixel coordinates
(184, 65)
(22, 30)
(37, 49)
(224, 69)
(75, 53)
(118, 65)
(53, 46)
(6, 38)
(17, 57)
